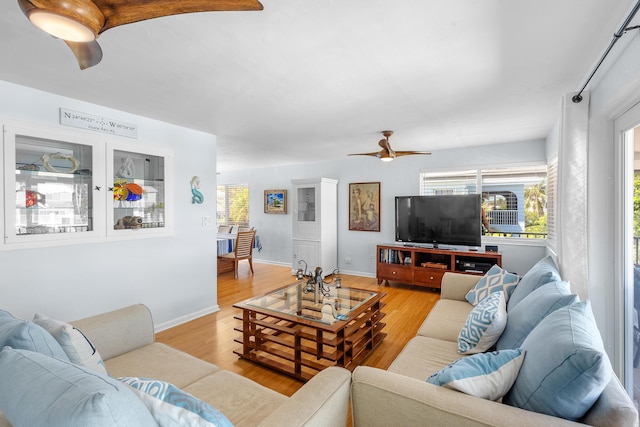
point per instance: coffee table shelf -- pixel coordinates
(294, 333)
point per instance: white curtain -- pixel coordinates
(572, 194)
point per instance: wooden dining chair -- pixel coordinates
(244, 228)
(243, 250)
(224, 229)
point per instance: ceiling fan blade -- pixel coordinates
(26, 6)
(411, 153)
(88, 54)
(374, 154)
(121, 12)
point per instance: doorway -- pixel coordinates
(627, 264)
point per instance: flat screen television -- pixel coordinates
(439, 220)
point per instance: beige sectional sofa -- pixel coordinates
(125, 340)
(401, 396)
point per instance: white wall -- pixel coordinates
(400, 177)
(175, 276)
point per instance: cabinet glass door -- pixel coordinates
(138, 191)
(49, 187)
(307, 204)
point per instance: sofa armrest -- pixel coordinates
(119, 331)
(322, 401)
(456, 285)
(382, 398)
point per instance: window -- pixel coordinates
(514, 199)
(552, 185)
(232, 204)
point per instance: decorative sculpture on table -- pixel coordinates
(197, 196)
(315, 284)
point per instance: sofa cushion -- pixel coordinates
(172, 407)
(484, 325)
(445, 320)
(75, 344)
(17, 333)
(422, 356)
(160, 361)
(494, 280)
(566, 367)
(38, 390)
(484, 375)
(536, 306)
(246, 406)
(544, 271)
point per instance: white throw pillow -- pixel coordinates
(75, 344)
(485, 324)
(484, 375)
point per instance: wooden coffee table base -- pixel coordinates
(302, 348)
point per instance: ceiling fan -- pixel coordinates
(80, 22)
(387, 154)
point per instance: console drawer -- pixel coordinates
(394, 272)
(428, 276)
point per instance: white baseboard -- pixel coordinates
(186, 318)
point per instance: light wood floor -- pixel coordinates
(212, 337)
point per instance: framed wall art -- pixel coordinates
(275, 201)
(364, 206)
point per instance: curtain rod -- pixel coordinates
(623, 29)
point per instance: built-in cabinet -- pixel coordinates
(70, 186)
(426, 266)
(315, 223)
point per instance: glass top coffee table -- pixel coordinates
(302, 333)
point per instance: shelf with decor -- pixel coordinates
(139, 191)
(426, 266)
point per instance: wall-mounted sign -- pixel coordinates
(97, 123)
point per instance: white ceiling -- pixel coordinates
(303, 80)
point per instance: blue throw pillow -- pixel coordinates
(171, 406)
(484, 325)
(17, 333)
(544, 271)
(38, 390)
(484, 375)
(494, 280)
(536, 306)
(566, 368)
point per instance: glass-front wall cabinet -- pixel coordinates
(50, 186)
(66, 186)
(138, 190)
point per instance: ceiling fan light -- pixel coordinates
(61, 26)
(385, 157)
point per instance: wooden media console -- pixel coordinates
(425, 266)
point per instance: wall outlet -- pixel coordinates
(347, 259)
(207, 221)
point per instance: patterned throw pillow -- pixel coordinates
(172, 407)
(483, 375)
(495, 280)
(74, 343)
(484, 325)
